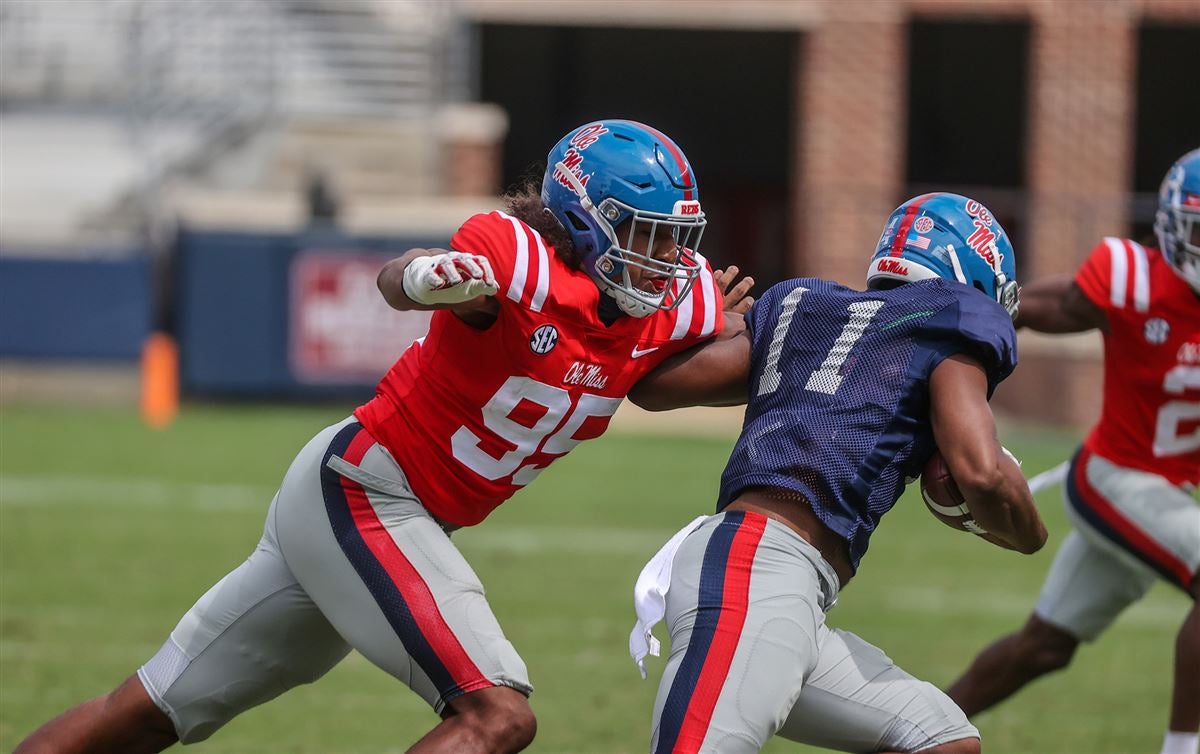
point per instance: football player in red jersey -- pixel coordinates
(1127, 490)
(545, 318)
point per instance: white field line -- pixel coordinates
(1056, 475)
(45, 490)
(38, 491)
(1156, 610)
(639, 544)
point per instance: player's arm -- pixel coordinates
(990, 481)
(1055, 304)
(713, 373)
(428, 279)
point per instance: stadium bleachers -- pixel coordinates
(109, 105)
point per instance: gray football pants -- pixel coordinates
(1132, 528)
(751, 655)
(349, 559)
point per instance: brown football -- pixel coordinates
(943, 498)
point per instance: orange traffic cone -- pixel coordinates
(160, 380)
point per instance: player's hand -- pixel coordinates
(450, 278)
(736, 300)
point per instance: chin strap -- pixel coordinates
(958, 270)
(560, 168)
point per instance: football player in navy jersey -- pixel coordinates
(849, 393)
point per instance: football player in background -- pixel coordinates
(849, 393)
(544, 319)
(1127, 490)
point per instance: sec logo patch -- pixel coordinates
(543, 339)
(1157, 331)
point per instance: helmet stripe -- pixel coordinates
(910, 215)
(684, 171)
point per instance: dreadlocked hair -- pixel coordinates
(524, 202)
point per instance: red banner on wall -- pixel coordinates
(342, 331)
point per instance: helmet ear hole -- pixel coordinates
(979, 287)
(577, 222)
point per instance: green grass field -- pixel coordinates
(109, 531)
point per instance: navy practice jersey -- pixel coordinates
(839, 391)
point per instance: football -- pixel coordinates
(943, 498)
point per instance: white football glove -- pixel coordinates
(450, 278)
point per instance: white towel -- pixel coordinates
(650, 596)
(1056, 475)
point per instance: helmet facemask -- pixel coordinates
(1178, 234)
(669, 279)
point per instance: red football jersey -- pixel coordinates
(474, 415)
(1151, 414)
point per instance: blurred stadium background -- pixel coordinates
(199, 193)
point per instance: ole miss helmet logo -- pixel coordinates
(573, 160)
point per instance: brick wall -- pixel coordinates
(850, 157)
(1080, 145)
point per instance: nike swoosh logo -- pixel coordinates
(643, 351)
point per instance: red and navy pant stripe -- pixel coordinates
(1108, 520)
(398, 588)
(724, 598)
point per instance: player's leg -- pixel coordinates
(1011, 662)
(1086, 589)
(492, 719)
(123, 720)
(746, 597)
(394, 586)
(1154, 528)
(1089, 584)
(857, 699)
(252, 636)
(1182, 731)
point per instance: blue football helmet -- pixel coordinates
(1177, 222)
(948, 236)
(604, 173)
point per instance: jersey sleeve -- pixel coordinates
(975, 326)
(1116, 277)
(700, 315)
(520, 258)
(1095, 276)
